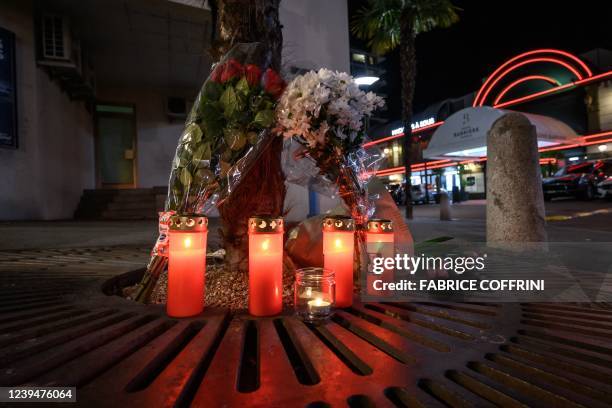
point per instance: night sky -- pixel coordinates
(454, 61)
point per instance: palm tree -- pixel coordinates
(388, 24)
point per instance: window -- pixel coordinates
(8, 91)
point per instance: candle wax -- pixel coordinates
(338, 257)
(186, 270)
(265, 274)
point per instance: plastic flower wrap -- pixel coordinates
(226, 130)
(326, 113)
(225, 133)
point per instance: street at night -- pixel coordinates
(289, 203)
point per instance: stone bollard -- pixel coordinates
(445, 210)
(515, 202)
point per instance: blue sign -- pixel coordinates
(8, 91)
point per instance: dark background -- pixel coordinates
(454, 61)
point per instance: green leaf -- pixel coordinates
(212, 90)
(229, 101)
(193, 133)
(212, 120)
(264, 118)
(202, 152)
(242, 86)
(235, 138)
(185, 177)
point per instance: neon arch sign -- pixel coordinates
(569, 62)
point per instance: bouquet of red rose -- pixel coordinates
(225, 133)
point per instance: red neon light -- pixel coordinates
(437, 164)
(386, 139)
(524, 79)
(607, 133)
(596, 142)
(535, 95)
(525, 54)
(553, 90)
(520, 64)
(421, 129)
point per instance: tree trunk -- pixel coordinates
(408, 72)
(262, 191)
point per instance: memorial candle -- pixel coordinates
(265, 265)
(186, 265)
(380, 241)
(338, 252)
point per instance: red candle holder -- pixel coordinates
(186, 265)
(338, 255)
(265, 265)
(380, 242)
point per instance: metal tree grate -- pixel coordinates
(410, 354)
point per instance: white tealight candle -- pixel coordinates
(318, 302)
(318, 307)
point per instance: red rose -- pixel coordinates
(233, 69)
(253, 74)
(273, 83)
(215, 75)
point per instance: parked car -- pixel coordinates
(604, 188)
(576, 180)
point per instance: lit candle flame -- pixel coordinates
(265, 245)
(318, 302)
(187, 242)
(338, 243)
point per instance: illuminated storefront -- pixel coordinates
(554, 88)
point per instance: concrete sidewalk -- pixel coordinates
(468, 224)
(469, 221)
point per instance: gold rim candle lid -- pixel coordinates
(188, 223)
(338, 223)
(380, 225)
(265, 224)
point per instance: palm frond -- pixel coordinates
(379, 21)
(378, 24)
(430, 14)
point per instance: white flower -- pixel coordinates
(335, 93)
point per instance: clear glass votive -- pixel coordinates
(315, 294)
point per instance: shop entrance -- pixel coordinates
(115, 127)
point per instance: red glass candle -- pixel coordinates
(186, 265)
(380, 241)
(338, 253)
(265, 265)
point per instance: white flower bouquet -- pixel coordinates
(327, 113)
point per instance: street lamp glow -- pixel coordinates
(366, 80)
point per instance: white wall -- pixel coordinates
(45, 176)
(315, 34)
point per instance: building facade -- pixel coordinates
(573, 90)
(94, 93)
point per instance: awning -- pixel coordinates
(464, 133)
